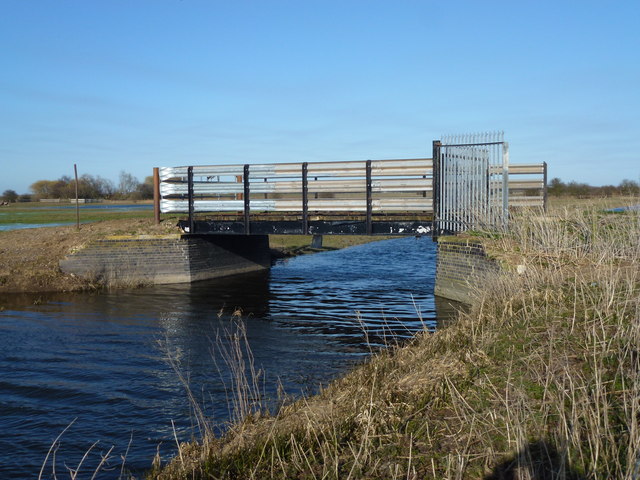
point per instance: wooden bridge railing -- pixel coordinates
(384, 189)
(528, 185)
(373, 186)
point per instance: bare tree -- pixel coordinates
(128, 184)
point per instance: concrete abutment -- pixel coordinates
(152, 259)
(461, 265)
(147, 259)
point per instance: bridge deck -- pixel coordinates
(348, 223)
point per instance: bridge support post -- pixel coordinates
(190, 199)
(316, 241)
(544, 192)
(156, 194)
(435, 231)
(305, 199)
(247, 201)
(369, 199)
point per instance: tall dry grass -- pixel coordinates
(90, 466)
(539, 380)
(565, 333)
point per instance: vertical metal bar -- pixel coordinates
(544, 191)
(480, 187)
(190, 198)
(435, 200)
(471, 181)
(473, 184)
(468, 187)
(491, 175)
(496, 201)
(472, 216)
(369, 199)
(247, 201)
(494, 187)
(486, 179)
(452, 166)
(458, 200)
(505, 184)
(499, 194)
(75, 171)
(156, 194)
(305, 199)
(462, 192)
(446, 190)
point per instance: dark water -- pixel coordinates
(625, 209)
(98, 358)
(19, 226)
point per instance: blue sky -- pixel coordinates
(119, 85)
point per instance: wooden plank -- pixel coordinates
(526, 201)
(379, 167)
(525, 184)
(328, 205)
(526, 169)
(519, 169)
(295, 187)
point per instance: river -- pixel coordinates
(102, 359)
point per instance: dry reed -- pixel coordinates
(539, 380)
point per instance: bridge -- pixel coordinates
(471, 184)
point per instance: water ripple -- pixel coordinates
(98, 357)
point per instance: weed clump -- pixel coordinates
(539, 379)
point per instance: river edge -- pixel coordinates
(537, 380)
(29, 258)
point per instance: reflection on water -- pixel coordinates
(98, 357)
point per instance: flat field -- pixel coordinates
(35, 213)
(591, 202)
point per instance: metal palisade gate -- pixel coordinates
(471, 182)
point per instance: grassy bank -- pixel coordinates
(540, 379)
(29, 258)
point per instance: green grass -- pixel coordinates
(43, 213)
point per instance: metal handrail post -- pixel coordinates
(305, 199)
(190, 199)
(247, 201)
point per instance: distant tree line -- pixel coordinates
(576, 189)
(89, 186)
